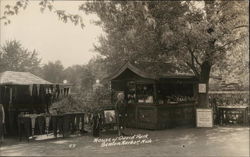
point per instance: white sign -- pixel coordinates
(204, 117)
(124, 140)
(202, 88)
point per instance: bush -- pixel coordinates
(89, 101)
(229, 98)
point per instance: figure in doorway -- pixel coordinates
(121, 113)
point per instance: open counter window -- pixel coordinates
(139, 92)
(145, 93)
(174, 93)
(131, 94)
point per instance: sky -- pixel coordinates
(52, 38)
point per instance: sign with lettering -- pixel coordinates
(204, 117)
(202, 88)
(136, 139)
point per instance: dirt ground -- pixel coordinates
(217, 141)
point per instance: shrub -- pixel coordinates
(229, 98)
(89, 101)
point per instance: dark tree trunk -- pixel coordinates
(204, 78)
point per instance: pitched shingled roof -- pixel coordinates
(20, 78)
(149, 74)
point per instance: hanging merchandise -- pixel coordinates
(57, 91)
(46, 90)
(69, 91)
(47, 120)
(41, 90)
(54, 88)
(80, 125)
(33, 123)
(42, 93)
(34, 90)
(30, 89)
(5, 98)
(38, 89)
(11, 92)
(14, 95)
(51, 89)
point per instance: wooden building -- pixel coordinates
(156, 101)
(26, 93)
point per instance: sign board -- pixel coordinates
(109, 116)
(204, 117)
(202, 88)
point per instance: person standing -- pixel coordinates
(96, 124)
(2, 120)
(121, 113)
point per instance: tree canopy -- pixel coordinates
(198, 35)
(16, 58)
(53, 72)
(19, 5)
(169, 31)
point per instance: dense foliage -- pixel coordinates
(90, 102)
(53, 72)
(14, 57)
(202, 37)
(199, 35)
(235, 98)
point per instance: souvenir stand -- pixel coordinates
(26, 99)
(22, 93)
(155, 101)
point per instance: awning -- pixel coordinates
(21, 78)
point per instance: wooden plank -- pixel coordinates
(161, 116)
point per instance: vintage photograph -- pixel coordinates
(97, 78)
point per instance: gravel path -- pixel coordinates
(217, 141)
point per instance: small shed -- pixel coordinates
(156, 100)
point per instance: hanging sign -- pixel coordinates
(204, 117)
(202, 88)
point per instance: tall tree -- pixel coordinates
(195, 34)
(97, 67)
(198, 35)
(53, 72)
(16, 58)
(210, 41)
(87, 79)
(73, 75)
